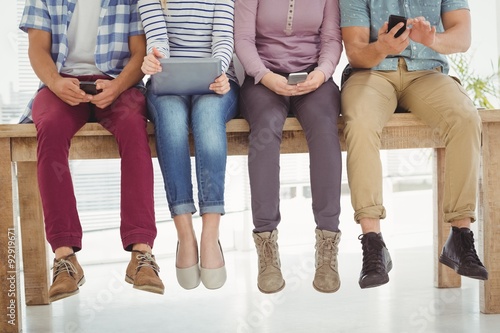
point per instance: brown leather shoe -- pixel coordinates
(326, 278)
(67, 277)
(142, 272)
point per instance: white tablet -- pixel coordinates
(185, 76)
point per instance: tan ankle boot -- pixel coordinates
(269, 279)
(142, 272)
(326, 278)
(67, 277)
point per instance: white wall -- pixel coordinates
(498, 28)
(8, 65)
(485, 48)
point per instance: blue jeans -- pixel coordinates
(206, 116)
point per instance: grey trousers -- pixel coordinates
(317, 113)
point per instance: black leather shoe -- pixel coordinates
(377, 261)
(460, 255)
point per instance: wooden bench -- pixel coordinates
(19, 197)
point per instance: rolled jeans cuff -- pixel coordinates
(185, 208)
(215, 208)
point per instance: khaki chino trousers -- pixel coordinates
(369, 98)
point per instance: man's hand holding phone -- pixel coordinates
(393, 35)
(421, 30)
(68, 90)
(108, 91)
(394, 21)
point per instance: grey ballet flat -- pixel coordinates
(188, 278)
(214, 278)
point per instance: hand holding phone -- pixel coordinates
(89, 87)
(294, 78)
(393, 21)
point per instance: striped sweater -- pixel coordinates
(191, 29)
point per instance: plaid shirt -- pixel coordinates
(119, 20)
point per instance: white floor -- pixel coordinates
(408, 303)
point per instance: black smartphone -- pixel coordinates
(394, 20)
(89, 87)
(294, 78)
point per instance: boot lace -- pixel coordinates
(327, 251)
(269, 253)
(146, 259)
(469, 255)
(372, 254)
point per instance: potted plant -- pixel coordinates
(484, 91)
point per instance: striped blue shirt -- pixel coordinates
(373, 13)
(191, 29)
(119, 20)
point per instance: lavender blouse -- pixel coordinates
(287, 36)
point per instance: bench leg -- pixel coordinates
(444, 277)
(489, 218)
(35, 264)
(10, 309)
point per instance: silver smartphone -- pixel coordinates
(294, 78)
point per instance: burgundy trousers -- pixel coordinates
(56, 123)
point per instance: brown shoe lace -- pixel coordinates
(327, 251)
(146, 259)
(269, 251)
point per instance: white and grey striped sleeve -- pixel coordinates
(155, 26)
(223, 32)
